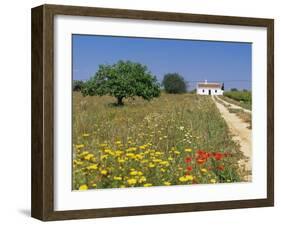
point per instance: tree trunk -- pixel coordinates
(120, 101)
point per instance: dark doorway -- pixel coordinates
(209, 92)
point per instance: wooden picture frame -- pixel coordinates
(43, 112)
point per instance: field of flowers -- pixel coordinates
(171, 140)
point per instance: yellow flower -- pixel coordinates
(164, 163)
(84, 153)
(117, 178)
(151, 165)
(188, 150)
(122, 186)
(182, 179)
(103, 157)
(94, 185)
(147, 185)
(88, 156)
(130, 155)
(134, 173)
(118, 142)
(108, 151)
(163, 170)
(79, 146)
(131, 149)
(167, 183)
(177, 152)
(92, 167)
(142, 179)
(186, 178)
(132, 181)
(103, 145)
(103, 172)
(142, 147)
(139, 156)
(86, 135)
(118, 152)
(83, 187)
(213, 181)
(121, 160)
(77, 162)
(203, 170)
(170, 158)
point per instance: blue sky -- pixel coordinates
(227, 62)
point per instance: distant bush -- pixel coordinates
(174, 83)
(77, 85)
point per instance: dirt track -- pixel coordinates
(235, 106)
(241, 134)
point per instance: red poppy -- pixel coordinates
(200, 152)
(203, 156)
(188, 159)
(220, 167)
(200, 160)
(218, 156)
(189, 168)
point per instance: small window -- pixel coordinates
(203, 90)
(215, 91)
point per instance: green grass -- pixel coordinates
(151, 143)
(240, 98)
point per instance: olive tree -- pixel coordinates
(122, 80)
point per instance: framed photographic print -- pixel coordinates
(141, 112)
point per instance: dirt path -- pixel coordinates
(241, 134)
(234, 106)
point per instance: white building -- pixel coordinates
(205, 88)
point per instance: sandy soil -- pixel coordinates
(240, 132)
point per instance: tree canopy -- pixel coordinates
(174, 83)
(122, 80)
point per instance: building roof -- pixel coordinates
(209, 85)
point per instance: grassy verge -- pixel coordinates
(240, 98)
(171, 140)
(245, 116)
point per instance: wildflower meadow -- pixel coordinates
(171, 140)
